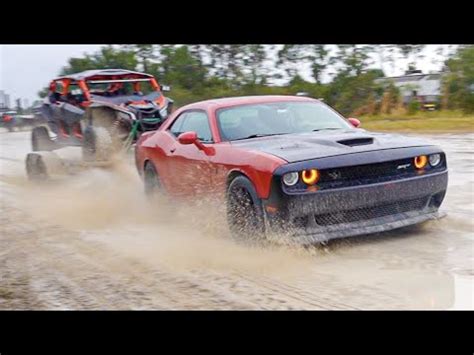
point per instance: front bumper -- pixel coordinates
(350, 211)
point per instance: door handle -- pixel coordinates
(172, 150)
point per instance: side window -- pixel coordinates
(197, 121)
(176, 126)
(193, 121)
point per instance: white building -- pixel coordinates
(415, 85)
(4, 99)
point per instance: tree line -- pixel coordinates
(343, 75)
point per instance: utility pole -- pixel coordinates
(18, 106)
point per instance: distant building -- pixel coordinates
(414, 85)
(4, 99)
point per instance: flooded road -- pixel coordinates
(91, 241)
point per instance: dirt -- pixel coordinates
(93, 241)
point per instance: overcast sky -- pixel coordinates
(26, 69)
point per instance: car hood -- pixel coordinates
(305, 146)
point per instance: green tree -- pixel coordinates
(145, 54)
(227, 61)
(412, 53)
(350, 92)
(106, 58)
(183, 69)
(253, 64)
(459, 81)
(353, 59)
(293, 56)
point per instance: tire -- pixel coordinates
(97, 145)
(40, 140)
(245, 216)
(36, 167)
(151, 181)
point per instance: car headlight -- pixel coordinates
(435, 159)
(290, 179)
(310, 177)
(420, 161)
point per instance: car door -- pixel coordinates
(187, 166)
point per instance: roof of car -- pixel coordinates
(245, 100)
(105, 74)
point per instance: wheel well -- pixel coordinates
(145, 163)
(233, 175)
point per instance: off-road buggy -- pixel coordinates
(100, 110)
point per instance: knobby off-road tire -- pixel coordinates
(41, 166)
(40, 139)
(97, 145)
(36, 167)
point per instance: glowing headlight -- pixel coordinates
(420, 162)
(310, 177)
(290, 179)
(435, 159)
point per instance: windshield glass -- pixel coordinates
(249, 121)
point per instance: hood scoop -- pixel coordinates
(356, 141)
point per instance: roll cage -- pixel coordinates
(60, 89)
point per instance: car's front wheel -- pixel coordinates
(97, 145)
(245, 215)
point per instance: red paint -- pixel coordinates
(204, 168)
(188, 138)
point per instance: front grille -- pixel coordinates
(361, 173)
(357, 175)
(366, 213)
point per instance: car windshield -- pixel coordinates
(251, 121)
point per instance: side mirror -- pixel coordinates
(354, 121)
(188, 138)
(192, 138)
(165, 88)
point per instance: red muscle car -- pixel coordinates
(292, 164)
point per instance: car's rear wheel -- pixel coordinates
(97, 145)
(244, 211)
(40, 139)
(151, 180)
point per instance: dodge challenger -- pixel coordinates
(293, 166)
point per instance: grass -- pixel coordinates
(434, 121)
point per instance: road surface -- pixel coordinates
(92, 241)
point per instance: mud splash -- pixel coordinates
(93, 241)
(109, 205)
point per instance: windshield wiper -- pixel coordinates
(258, 135)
